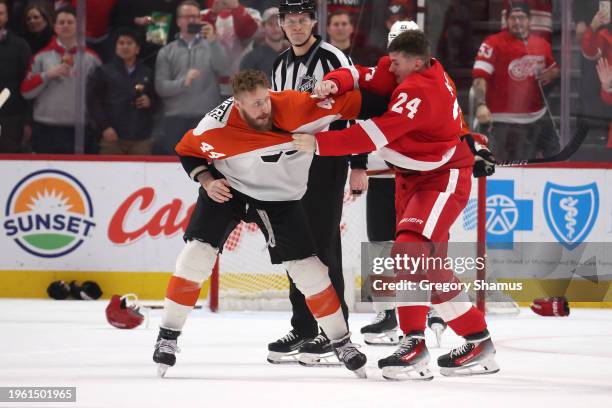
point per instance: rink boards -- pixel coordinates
(120, 223)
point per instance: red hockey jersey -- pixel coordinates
(510, 67)
(420, 131)
(378, 80)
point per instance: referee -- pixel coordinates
(300, 67)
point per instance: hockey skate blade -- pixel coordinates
(283, 358)
(398, 373)
(161, 370)
(319, 360)
(484, 367)
(438, 329)
(387, 338)
(361, 372)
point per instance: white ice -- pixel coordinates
(560, 362)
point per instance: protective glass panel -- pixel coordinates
(525, 71)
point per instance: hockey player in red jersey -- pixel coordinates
(248, 169)
(420, 135)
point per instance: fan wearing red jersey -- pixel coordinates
(420, 135)
(248, 169)
(509, 72)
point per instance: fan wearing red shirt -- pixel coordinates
(420, 135)
(510, 68)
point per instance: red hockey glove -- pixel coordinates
(551, 306)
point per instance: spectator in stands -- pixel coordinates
(540, 20)
(153, 19)
(235, 27)
(604, 71)
(37, 26)
(187, 76)
(583, 13)
(339, 30)
(15, 56)
(512, 63)
(259, 5)
(590, 34)
(120, 99)
(50, 83)
(262, 56)
(97, 24)
(341, 34)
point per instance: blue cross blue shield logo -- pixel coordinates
(571, 212)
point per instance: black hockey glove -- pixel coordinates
(484, 163)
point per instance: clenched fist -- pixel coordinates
(305, 142)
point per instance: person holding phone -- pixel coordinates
(187, 73)
(235, 26)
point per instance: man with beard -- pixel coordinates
(248, 170)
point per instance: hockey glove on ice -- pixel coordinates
(551, 306)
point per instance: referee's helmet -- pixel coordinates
(296, 7)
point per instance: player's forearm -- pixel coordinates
(480, 91)
(343, 78)
(352, 140)
(193, 166)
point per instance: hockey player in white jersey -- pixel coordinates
(248, 170)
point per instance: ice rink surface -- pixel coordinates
(563, 362)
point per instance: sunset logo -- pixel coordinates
(49, 214)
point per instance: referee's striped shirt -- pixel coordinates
(303, 72)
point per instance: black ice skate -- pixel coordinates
(436, 324)
(348, 354)
(476, 356)
(382, 331)
(287, 348)
(318, 352)
(165, 350)
(409, 362)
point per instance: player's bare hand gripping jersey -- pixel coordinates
(264, 165)
(421, 129)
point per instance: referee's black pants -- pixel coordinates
(323, 206)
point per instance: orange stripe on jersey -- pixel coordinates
(183, 291)
(323, 303)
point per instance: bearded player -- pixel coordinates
(248, 170)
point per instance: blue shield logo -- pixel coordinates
(571, 212)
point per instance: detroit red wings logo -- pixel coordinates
(522, 68)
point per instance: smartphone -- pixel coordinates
(604, 7)
(194, 28)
